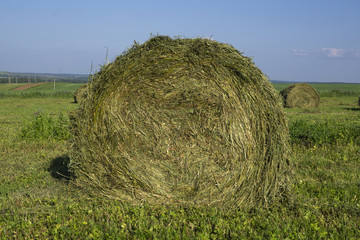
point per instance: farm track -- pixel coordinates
(28, 86)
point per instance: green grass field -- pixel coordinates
(37, 200)
(329, 90)
(45, 90)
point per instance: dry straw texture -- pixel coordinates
(80, 93)
(182, 121)
(300, 95)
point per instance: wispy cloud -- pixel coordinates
(302, 53)
(333, 52)
(328, 53)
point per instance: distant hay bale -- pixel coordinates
(80, 92)
(185, 121)
(300, 95)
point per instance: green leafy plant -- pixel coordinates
(322, 132)
(44, 127)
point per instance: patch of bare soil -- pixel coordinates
(28, 86)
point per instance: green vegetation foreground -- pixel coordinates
(38, 201)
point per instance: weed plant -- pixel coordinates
(45, 127)
(329, 131)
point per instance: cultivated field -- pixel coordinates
(37, 200)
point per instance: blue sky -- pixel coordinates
(307, 40)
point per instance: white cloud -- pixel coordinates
(328, 53)
(333, 52)
(357, 53)
(301, 52)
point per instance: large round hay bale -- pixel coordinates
(80, 93)
(187, 121)
(300, 95)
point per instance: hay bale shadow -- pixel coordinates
(353, 109)
(59, 168)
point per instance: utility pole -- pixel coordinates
(9, 78)
(54, 83)
(16, 79)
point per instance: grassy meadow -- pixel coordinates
(38, 200)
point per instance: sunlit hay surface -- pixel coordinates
(300, 95)
(182, 121)
(80, 93)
